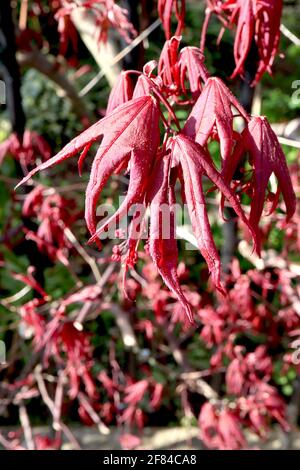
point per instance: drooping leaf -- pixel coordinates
(195, 163)
(255, 21)
(165, 10)
(267, 157)
(132, 130)
(162, 240)
(168, 65)
(192, 68)
(137, 144)
(214, 108)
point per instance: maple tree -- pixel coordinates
(168, 159)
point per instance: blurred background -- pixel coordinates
(84, 366)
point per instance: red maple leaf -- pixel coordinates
(266, 157)
(165, 10)
(256, 21)
(214, 109)
(130, 135)
(195, 162)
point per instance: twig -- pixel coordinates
(289, 142)
(103, 429)
(58, 399)
(84, 312)
(87, 258)
(198, 385)
(51, 406)
(288, 34)
(140, 38)
(19, 295)
(123, 323)
(25, 423)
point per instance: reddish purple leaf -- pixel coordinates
(165, 10)
(191, 63)
(195, 162)
(214, 108)
(131, 131)
(121, 92)
(266, 156)
(162, 241)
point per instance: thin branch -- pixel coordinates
(198, 385)
(140, 38)
(18, 296)
(289, 142)
(123, 323)
(25, 423)
(288, 34)
(103, 429)
(86, 309)
(87, 258)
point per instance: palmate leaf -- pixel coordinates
(162, 240)
(195, 162)
(192, 67)
(132, 130)
(121, 92)
(214, 108)
(266, 157)
(165, 10)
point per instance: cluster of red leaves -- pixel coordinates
(255, 402)
(27, 151)
(52, 212)
(256, 22)
(61, 341)
(107, 15)
(131, 142)
(251, 401)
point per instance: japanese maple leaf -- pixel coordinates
(255, 20)
(165, 10)
(267, 157)
(214, 108)
(191, 63)
(267, 33)
(195, 163)
(26, 149)
(135, 392)
(168, 65)
(162, 239)
(129, 134)
(121, 92)
(243, 36)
